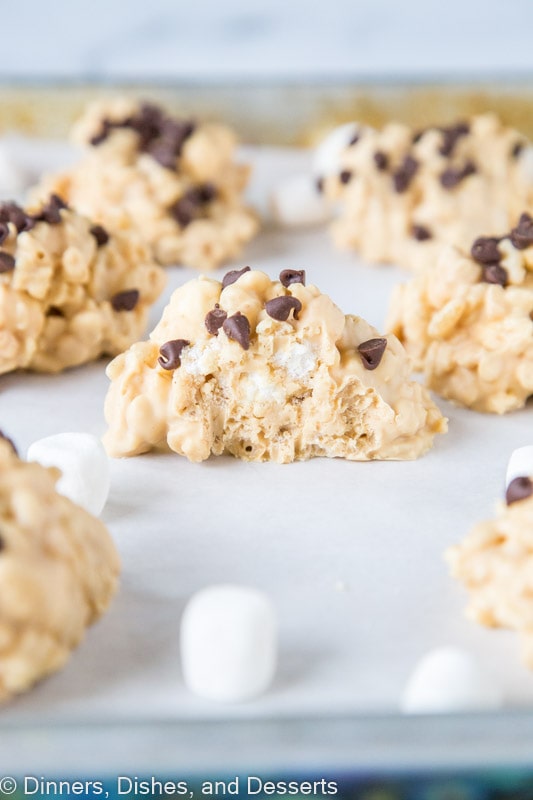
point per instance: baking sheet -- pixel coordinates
(350, 553)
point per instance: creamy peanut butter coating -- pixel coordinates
(404, 193)
(174, 183)
(69, 291)
(467, 321)
(495, 564)
(266, 370)
(58, 573)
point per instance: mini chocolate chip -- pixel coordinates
(164, 153)
(345, 176)
(451, 136)
(4, 231)
(319, 183)
(485, 250)
(7, 262)
(50, 212)
(125, 301)
(233, 275)
(519, 489)
(11, 212)
(102, 134)
(100, 234)
(522, 235)
(381, 160)
(493, 273)
(421, 233)
(288, 276)
(280, 307)
(9, 441)
(183, 212)
(215, 319)
(417, 135)
(517, 149)
(355, 138)
(170, 353)
(405, 174)
(237, 327)
(451, 177)
(202, 194)
(371, 352)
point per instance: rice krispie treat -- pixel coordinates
(69, 291)
(58, 572)
(467, 321)
(171, 181)
(266, 370)
(404, 193)
(495, 563)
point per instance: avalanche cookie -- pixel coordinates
(266, 370)
(468, 321)
(172, 181)
(495, 563)
(58, 573)
(403, 193)
(69, 291)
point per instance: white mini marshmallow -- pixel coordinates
(14, 178)
(228, 643)
(84, 465)
(449, 679)
(297, 202)
(520, 464)
(327, 156)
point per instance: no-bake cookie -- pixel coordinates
(403, 193)
(467, 321)
(58, 572)
(174, 182)
(266, 370)
(69, 290)
(495, 563)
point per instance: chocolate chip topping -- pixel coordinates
(233, 275)
(215, 319)
(159, 135)
(494, 273)
(125, 301)
(451, 176)
(355, 138)
(371, 352)
(345, 176)
(519, 489)
(50, 212)
(522, 235)
(100, 234)
(280, 307)
(4, 231)
(237, 327)
(170, 353)
(450, 137)
(7, 262)
(381, 160)
(288, 276)
(517, 149)
(319, 183)
(11, 212)
(191, 205)
(405, 174)
(485, 250)
(421, 233)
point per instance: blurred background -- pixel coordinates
(309, 65)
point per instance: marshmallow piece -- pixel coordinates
(296, 202)
(449, 679)
(84, 465)
(228, 643)
(520, 464)
(328, 154)
(14, 179)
